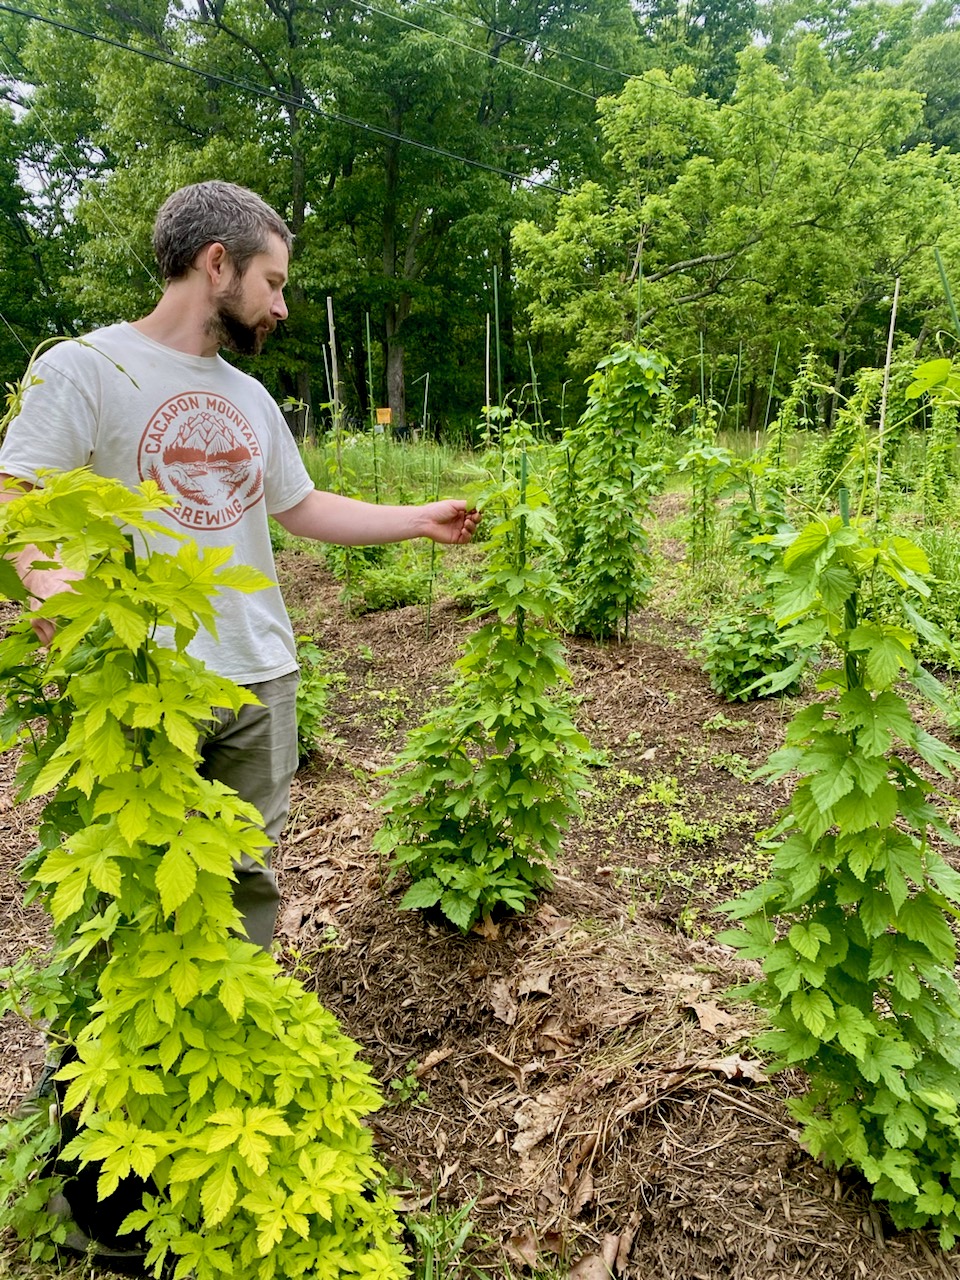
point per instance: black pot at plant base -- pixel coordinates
(93, 1225)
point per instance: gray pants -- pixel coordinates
(255, 753)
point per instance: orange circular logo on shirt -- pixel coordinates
(200, 449)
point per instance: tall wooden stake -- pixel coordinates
(335, 392)
(373, 412)
(886, 388)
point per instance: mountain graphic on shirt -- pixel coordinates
(205, 438)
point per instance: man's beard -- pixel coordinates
(232, 332)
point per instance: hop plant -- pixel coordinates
(190, 1062)
(852, 927)
(484, 790)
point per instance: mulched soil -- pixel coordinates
(577, 1073)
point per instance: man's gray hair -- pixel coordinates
(209, 212)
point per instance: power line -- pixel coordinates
(284, 99)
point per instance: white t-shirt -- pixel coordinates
(209, 435)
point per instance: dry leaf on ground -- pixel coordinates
(502, 1002)
(714, 1020)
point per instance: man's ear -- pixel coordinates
(214, 261)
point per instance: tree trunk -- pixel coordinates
(396, 389)
(833, 400)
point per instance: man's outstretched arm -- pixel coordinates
(329, 517)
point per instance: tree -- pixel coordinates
(352, 121)
(707, 36)
(765, 224)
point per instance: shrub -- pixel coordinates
(741, 651)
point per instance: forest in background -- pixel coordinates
(494, 192)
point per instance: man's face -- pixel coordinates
(250, 306)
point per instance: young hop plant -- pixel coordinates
(853, 925)
(610, 478)
(744, 653)
(193, 1070)
(483, 792)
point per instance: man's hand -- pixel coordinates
(449, 521)
(42, 584)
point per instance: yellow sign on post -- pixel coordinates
(384, 417)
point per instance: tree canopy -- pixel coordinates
(744, 179)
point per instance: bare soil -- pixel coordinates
(578, 1073)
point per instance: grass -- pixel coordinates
(405, 472)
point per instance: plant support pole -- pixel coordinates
(486, 368)
(373, 412)
(773, 377)
(946, 289)
(496, 325)
(886, 388)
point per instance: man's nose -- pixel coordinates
(279, 308)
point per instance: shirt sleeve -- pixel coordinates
(56, 428)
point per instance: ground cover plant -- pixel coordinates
(203, 1085)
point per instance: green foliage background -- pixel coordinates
(748, 178)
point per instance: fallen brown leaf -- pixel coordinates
(522, 1247)
(583, 1194)
(591, 1267)
(487, 929)
(433, 1059)
(502, 1002)
(538, 984)
(554, 1037)
(583, 1149)
(536, 1118)
(733, 1067)
(714, 1020)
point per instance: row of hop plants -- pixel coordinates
(278, 1178)
(852, 927)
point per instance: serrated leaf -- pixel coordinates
(176, 879)
(461, 909)
(806, 939)
(422, 893)
(922, 920)
(184, 982)
(814, 1009)
(11, 588)
(218, 1194)
(853, 1030)
(810, 540)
